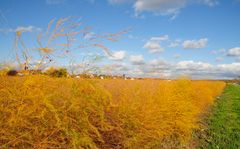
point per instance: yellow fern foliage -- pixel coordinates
(160, 114)
(43, 112)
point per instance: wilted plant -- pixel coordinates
(88, 65)
(56, 72)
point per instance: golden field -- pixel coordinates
(43, 112)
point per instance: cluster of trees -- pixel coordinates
(55, 72)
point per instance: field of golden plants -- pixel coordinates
(43, 112)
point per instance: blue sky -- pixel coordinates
(168, 38)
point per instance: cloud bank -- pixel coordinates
(157, 68)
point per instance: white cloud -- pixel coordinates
(9, 65)
(192, 65)
(153, 47)
(195, 44)
(115, 69)
(170, 70)
(154, 44)
(165, 69)
(137, 59)
(234, 51)
(22, 29)
(156, 68)
(28, 29)
(118, 55)
(157, 62)
(162, 7)
(137, 72)
(230, 68)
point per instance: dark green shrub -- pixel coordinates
(53, 72)
(12, 72)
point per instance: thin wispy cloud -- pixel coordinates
(55, 2)
(3, 19)
(22, 29)
(219, 59)
(219, 51)
(160, 38)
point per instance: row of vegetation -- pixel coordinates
(53, 72)
(39, 111)
(221, 128)
(57, 72)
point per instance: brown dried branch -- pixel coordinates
(59, 39)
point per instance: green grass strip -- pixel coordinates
(223, 124)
